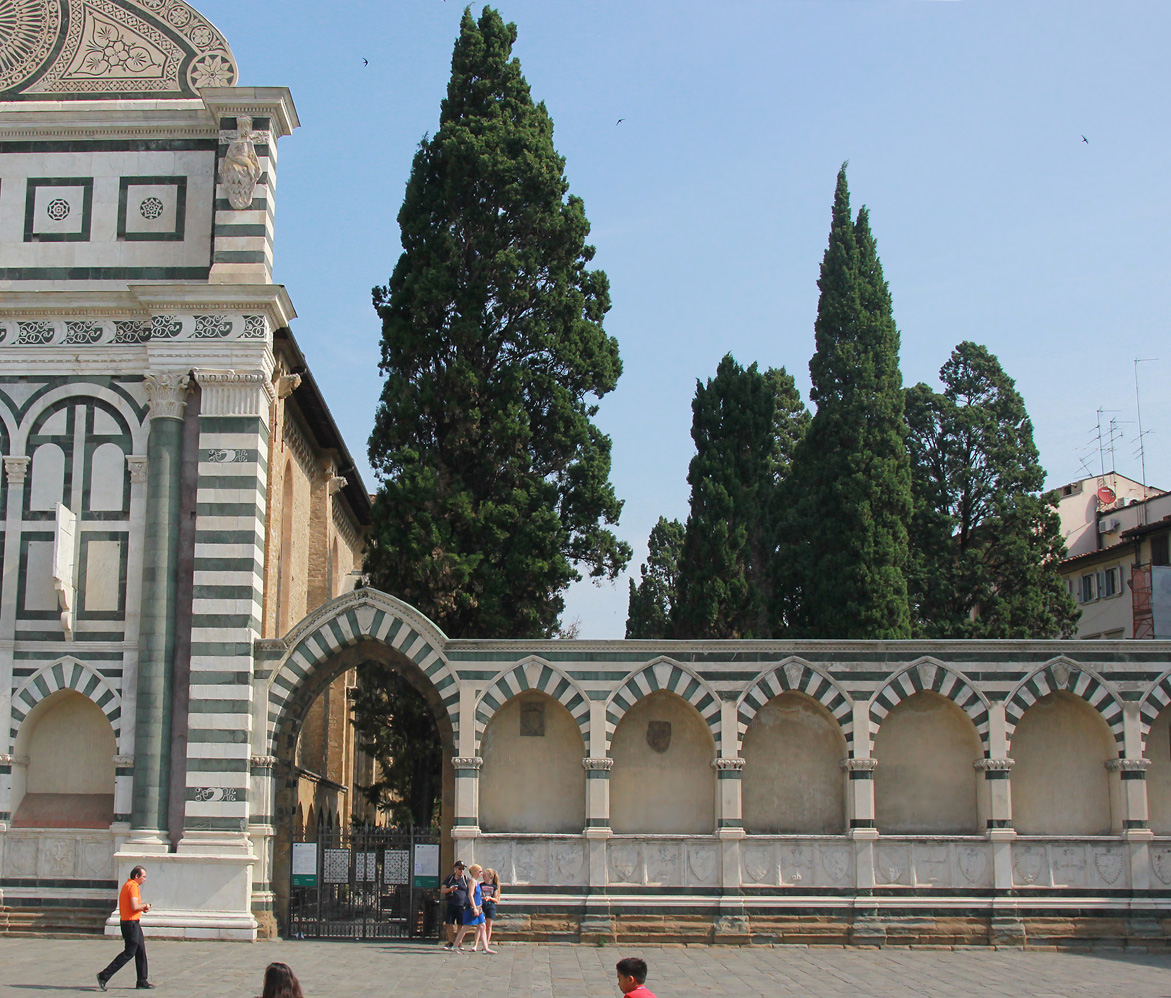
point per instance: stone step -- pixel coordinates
(68, 923)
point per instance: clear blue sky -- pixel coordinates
(962, 122)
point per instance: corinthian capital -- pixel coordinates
(167, 393)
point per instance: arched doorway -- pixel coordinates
(367, 870)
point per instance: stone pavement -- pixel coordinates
(352, 970)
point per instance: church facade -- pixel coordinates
(182, 527)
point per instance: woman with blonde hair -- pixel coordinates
(473, 911)
(492, 892)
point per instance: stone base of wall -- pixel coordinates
(869, 929)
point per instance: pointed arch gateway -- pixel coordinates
(352, 630)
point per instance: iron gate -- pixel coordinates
(364, 884)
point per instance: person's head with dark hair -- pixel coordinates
(280, 982)
(137, 872)
(631, 974)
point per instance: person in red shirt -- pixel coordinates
(130, 909)
(632, 977)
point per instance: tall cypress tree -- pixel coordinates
(493, 480)
(724, 587)
(842, 545)
(985, 542)
(649, 608)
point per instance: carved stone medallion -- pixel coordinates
(836, 862)
(658, 735)
(972, 864)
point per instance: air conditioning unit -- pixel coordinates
(1108, 525)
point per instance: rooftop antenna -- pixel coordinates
(1142, 457)
(1102, 446)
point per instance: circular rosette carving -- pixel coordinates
(28, 29)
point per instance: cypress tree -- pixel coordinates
(842, 541)
(652, 599)
(986, 542)
(493, 480)
(724, 587)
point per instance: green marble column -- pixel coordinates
(156, 644)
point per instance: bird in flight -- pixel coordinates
(365, 62)
(1085, 140)
(619, 121)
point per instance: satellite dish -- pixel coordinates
(1106, 495)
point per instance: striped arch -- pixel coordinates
(81, 392)
(796, 675)
(533, 673)
(1153, 704)
(1065, 674)
(66, 674)
(663, 674)
(365, 614)
(932, 676)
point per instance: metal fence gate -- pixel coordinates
(365, 883)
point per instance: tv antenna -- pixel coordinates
(1142, 457)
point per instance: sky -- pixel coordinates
(1013, 154)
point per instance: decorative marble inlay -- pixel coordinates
(34, 333)
(83, 332)
(28, 30)
(57, 209)
(212, 327)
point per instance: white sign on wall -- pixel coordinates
(426, 864)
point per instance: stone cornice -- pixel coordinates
(273, 102)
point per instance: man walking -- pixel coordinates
(130, 909)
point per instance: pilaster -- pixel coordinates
(167, 392)
(466, 827)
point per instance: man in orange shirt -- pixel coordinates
(130, 909)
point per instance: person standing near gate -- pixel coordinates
(455, 893)
(130, 909)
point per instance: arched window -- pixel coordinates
(925, 781)
(662, 780)
(532, 779)
(793, 781)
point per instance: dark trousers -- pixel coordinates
(135, 947)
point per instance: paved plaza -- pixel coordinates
(350, 970)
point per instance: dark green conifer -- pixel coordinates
(985, 542)
(493, 480)
(842, 538)
(652, 599)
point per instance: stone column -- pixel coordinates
(996, 792)
(466, 827)
(167, 392)
(262, 789)
(732, 925)
(596, 924)
(16, 472)
(1007, 927)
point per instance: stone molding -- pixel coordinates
(137, 465)
(167, 392)
(123, 761)
(994, 765)
(13, 760)
(598, 765)
(262, 761)
(728, 765)
(859, 765)
(16, 469)
(1128, 765)
(467, 762)
(234, 393)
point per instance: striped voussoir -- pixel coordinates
(345, 621)
(1065, 674)
(1153, 704)
(66, 674)
(663, 674)
(795, 675)
(533, 674)
(929, 676)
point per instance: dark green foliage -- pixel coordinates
(396, 728)
(493, 481)
(842, 534)
(743, 424)
(986, 543)
(648, 613)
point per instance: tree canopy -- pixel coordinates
(652, 600)
(493, 480)
(842, 542)
(986, 541)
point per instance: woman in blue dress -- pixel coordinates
(473, 912)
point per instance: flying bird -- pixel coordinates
(365, 62)
(619, 121)
(1085, 140)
